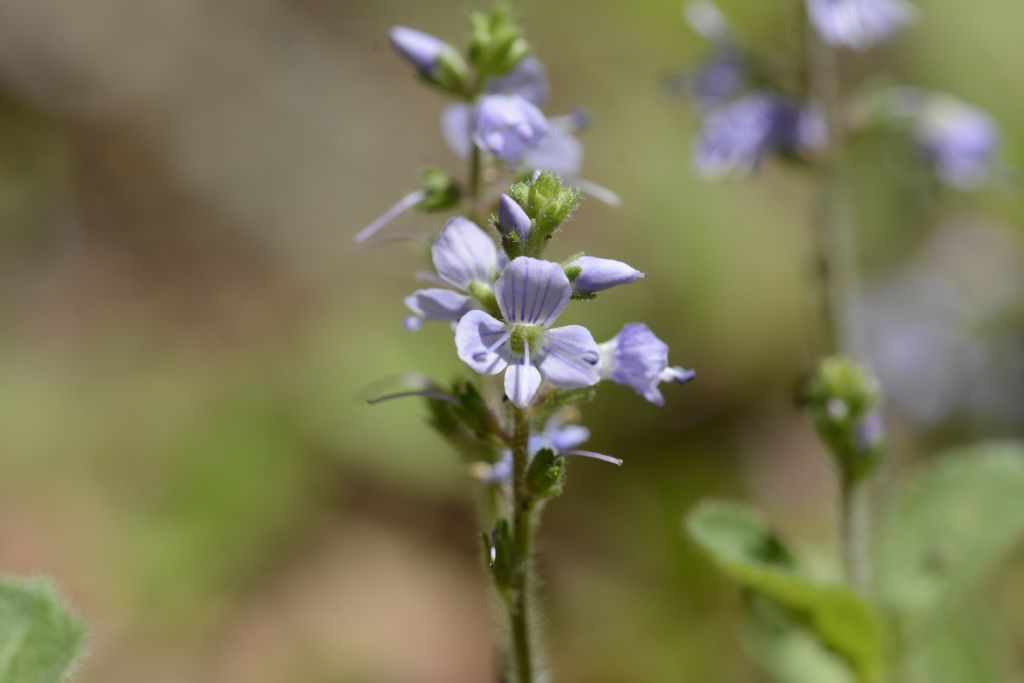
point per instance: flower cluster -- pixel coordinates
(745, 118)
(495, 119)
(749, 112)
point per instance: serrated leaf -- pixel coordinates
(40, 639)
(740, 543)
(947, 530)
(788, 651)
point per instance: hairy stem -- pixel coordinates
(520, 596)
(475, 177)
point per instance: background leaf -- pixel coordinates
(966, 648)
(40, 639)
(739, 541)
(947, 530)
(788, 651)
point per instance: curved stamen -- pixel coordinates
(401, 206)
(426, 393)
(591, 454)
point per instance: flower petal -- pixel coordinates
(521, 383)
(532, 291)
(558, 151)
(570, 357)
(455, 126)
(482, 343)
(438, 304)
(463, 253)
(569, 437)
(529, 80)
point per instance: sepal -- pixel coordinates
(546, 474)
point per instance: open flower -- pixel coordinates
(465, 258)
(737, 136)
(959, 140)
(859, 24)
(637, 358)
(507, 126)
(724, 75)
(531, 294)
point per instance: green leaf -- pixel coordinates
(963, 649)
(738, 540)
(946, 531)
(788, 651)
(40, 639)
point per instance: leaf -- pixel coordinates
(40, 639)
(788, 651)
(739, 542)
(962, 649)
(948, 529)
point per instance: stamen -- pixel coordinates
(598, 192)
(401, 206)
(591, 454)
(426, 393)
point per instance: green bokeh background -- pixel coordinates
(187, 331)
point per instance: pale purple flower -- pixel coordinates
(512, 217)
(597, 274)
(636, 358)
(420, 49)
(559, 150)
(724, 75)
(737, 136)
(869, 432)
(507, 126)
(463, 254)
(959, 140)
(531, 294)
(859, 24)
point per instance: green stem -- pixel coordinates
(475, 176)
(853, 509)
(836, 267)
(519, 602)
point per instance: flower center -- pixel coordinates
(522, 334)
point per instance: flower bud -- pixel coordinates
(546, 474)
(512, 218)
(496, 44)
(434, 59)
(589, 274)
(843, 398)
(439, 191)
(420, 49)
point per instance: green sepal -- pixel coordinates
(583, 296)
(548, 204)
(739, 542)
(450, 74)
(470, 426)
(546, 474)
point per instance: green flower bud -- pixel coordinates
(843, 398)
(440, 192)
(496, 44)
(548, 204)
(546, 475)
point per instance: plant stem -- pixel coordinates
(836, 267)
(475, 174)
(520, 594)
(853, 509)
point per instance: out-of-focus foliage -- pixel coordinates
(40, 639)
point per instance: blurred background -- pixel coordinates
(187, 329)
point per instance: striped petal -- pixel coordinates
(482, 343)
(463, 253)
(571, 358)
(532, 291)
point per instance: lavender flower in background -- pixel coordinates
(959, 140)
(636, 358)
(465, 258)
(531, 294)
(859, 24)
(736, 137)
(724, 75)
(556, 435)
(590, 274)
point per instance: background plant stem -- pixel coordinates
(838, 287)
